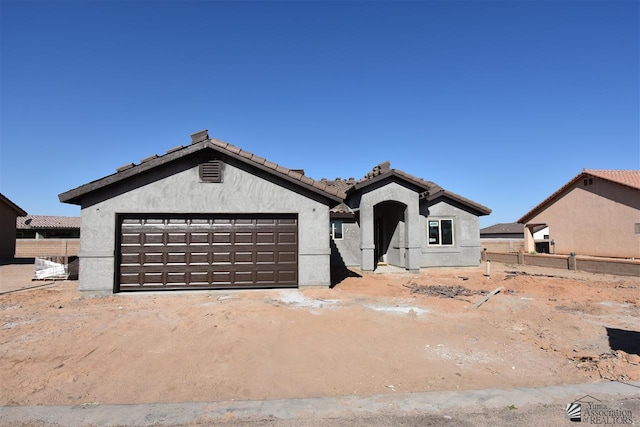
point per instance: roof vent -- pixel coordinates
(203, 135)
(211, 171)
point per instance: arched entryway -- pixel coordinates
(390, 233)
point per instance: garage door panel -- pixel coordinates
(287, 237)
(153, 277)
(245, 257)
(221, 237)
(213, 252)
(263, 257)
(197, 238)
(221, 257)
(132, 258)
(221, 276)
(266, 238)
(153, 258)
(199, 258)
(287, 276)
(244, 238)
(177, 238)
(176, 258)
(287, 257)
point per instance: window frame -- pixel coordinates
(332, 229)
(440, 234)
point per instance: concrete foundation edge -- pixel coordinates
(184, 413)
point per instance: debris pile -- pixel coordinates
(513, 273)
(610, 366)
(442, 291)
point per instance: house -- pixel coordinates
(47, 227)
(45, 235)
(509, 237)
(596, 213)
(9, 211)
(213, 216)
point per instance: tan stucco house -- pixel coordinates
(597, 213)
(9, 211)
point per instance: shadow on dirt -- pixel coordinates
(339, 274)
(627, 341)
(16, 261)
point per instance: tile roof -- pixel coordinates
(630, 178)
(30, 222)
(430, 190)
(627, 178)
(335, 190)
(200, 141)
(505, 227)
(340, 184)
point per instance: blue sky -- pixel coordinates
(502, 102)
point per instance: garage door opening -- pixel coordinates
(179, 252)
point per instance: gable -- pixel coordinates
(201, 149)
(621, 187)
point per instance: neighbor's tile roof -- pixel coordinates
(505, 227)
(45, 221)
(628, 178)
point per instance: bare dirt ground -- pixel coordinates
(368, 335)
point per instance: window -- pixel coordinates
(336, 229)
(440, 232)
(588, 181)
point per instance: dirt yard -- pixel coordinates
(368, 335)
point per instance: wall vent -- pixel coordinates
(211, 171)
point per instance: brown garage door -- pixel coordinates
(207, 252)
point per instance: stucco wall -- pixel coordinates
(466, 237)
(465, 252)
(596, 220)
(7, 231)
(384, 192)
(179, 190)
(346, 251)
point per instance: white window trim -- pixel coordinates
(333, 229)
(453, 232)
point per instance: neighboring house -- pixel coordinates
(47, 227)
(43, 235)
(505, 230)
(9, 211)
(213, 216)
(596, 213)
(509, 237)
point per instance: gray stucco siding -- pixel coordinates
(179, 190)
(347, 249)
(466, 237)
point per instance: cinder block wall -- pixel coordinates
(31, 248)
